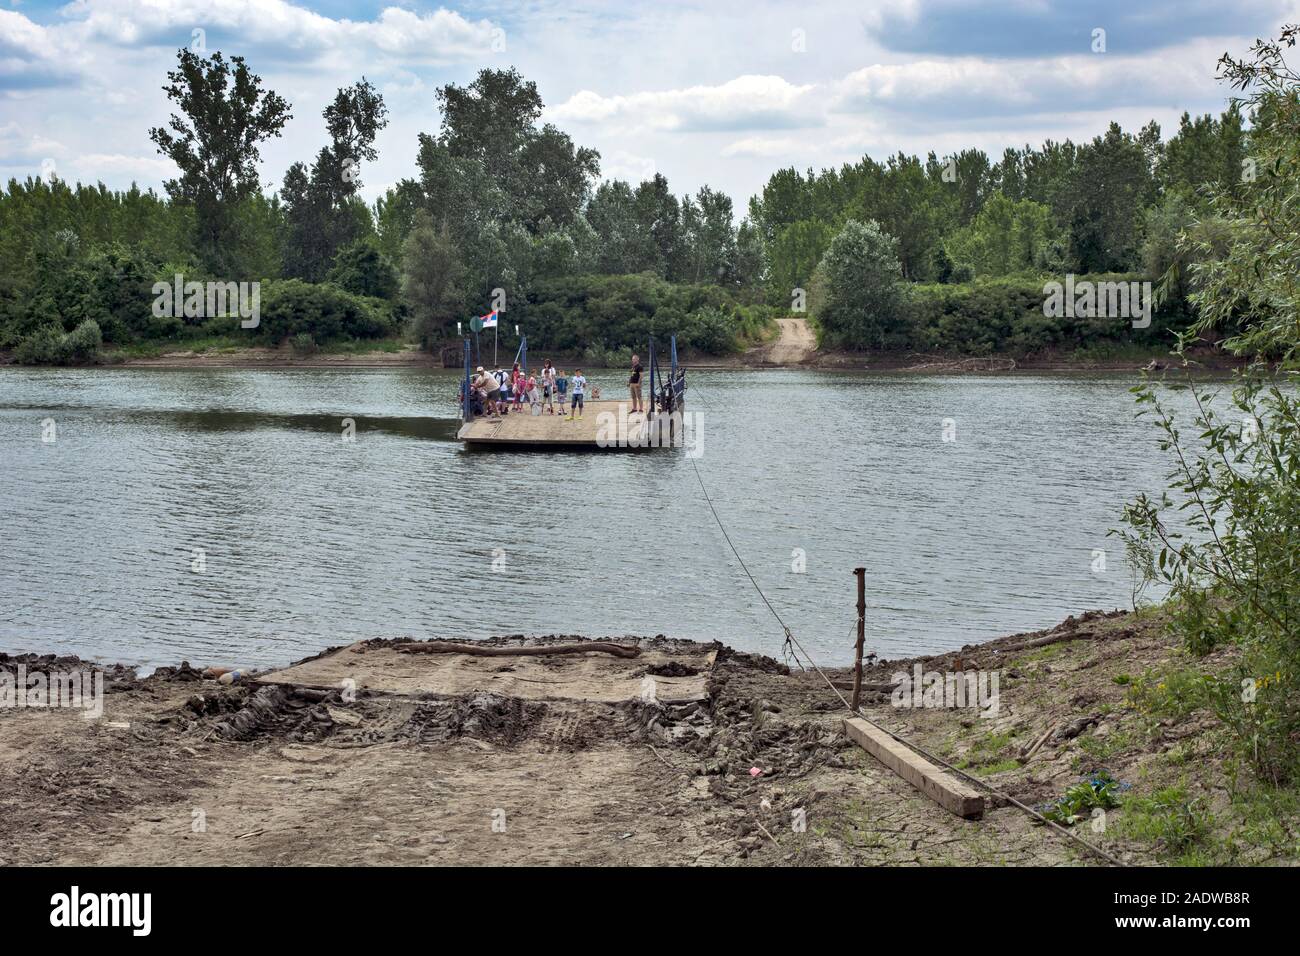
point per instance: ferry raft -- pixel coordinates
(607, 425)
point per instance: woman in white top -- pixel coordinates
(548, 386)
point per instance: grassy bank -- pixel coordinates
(1134, 757)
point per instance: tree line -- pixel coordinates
(504, 210)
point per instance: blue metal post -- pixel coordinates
(651, 356)
(672, 371)
(523, 350)
(468, 410)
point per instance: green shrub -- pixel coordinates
(709, 330)
(303, 344)
(591, 314)
(84, 342)
(362, 269)
(1006, 316)
(50, 346)
(858, 295)
(1171, 693)
(42, 347)
(597, 356)
(323, 311)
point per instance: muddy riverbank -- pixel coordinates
(184, 770)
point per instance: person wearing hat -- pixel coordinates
(487, 387)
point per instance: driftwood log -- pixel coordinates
(1027, 754)
(872, 688)
(1075, 727)
(1055, 637)
(488, 650)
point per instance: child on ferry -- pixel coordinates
(561, 389)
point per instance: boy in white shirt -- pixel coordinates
(579, 387)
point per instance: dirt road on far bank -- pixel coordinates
(795, 345)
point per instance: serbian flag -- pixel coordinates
(489, 320)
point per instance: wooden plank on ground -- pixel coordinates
(935, 782)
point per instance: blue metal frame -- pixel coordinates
(651, 356)
(468, 411)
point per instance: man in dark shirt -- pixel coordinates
(634, 384)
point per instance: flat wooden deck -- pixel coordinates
(604, 424)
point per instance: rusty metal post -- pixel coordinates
(857, 650)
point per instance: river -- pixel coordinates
(219, 515)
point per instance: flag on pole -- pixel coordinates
(490, 320)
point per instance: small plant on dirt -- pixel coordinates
(1104, 748)
(1265, 827)
(986, 753)
(1176, 692)
(1000, 766)
(1099, 791)
(1169, 818)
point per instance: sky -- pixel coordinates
(712, 92)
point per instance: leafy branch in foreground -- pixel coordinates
(1246, 270)
(1231, 562)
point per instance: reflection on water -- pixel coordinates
(226, 420)
(222, 515)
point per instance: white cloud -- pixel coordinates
(93, 166)
(926, 79)
(990, 87)
(620, 164)
(438, 37)
(18, 145)
(404, 83)
(33, 56)
(765, 146)
(747, 102)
